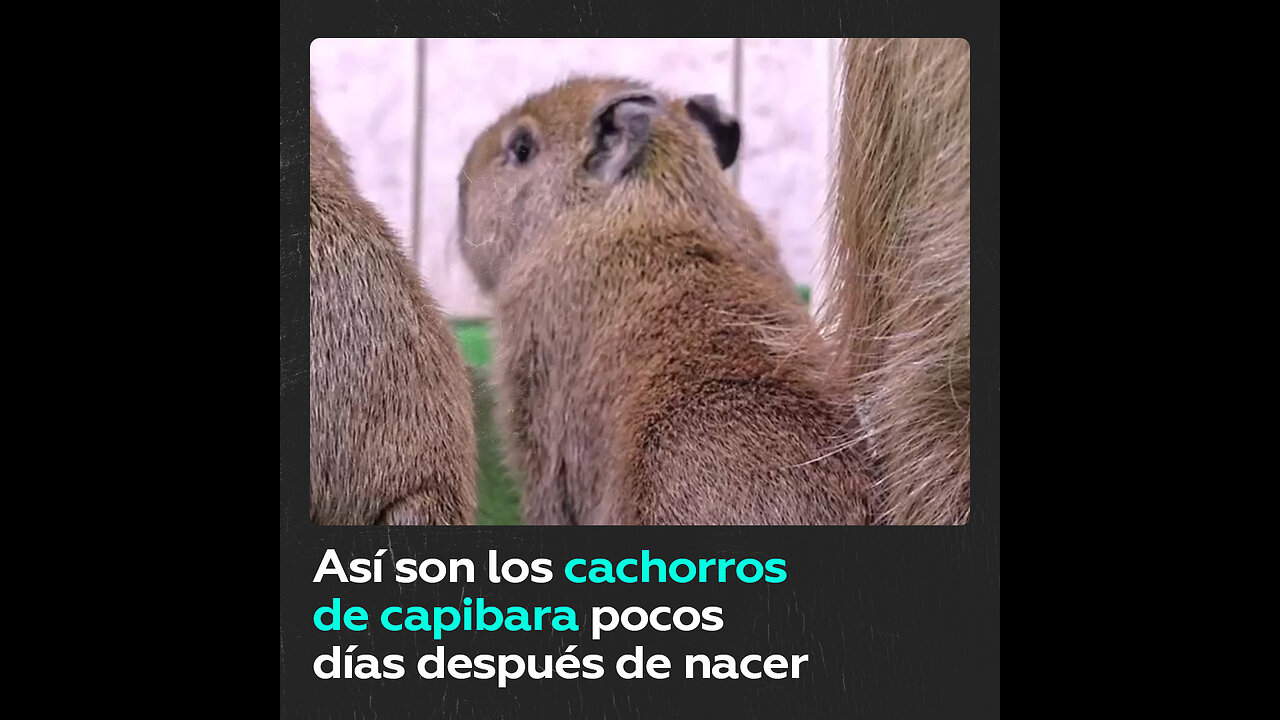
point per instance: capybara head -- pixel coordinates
(584, 141)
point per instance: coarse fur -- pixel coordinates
(392, 440)
(898, 310)
(639, 304)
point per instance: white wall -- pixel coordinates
(407, 111)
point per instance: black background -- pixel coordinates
(898, 622)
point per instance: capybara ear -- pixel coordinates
(724, 128)
(620, 131)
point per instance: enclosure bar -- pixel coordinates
(419, 138)
(737, 99)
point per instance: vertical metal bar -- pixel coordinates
(737, 100)
(833, 80)
(419, 138)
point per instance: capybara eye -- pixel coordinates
(521, 148)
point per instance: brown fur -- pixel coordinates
(391, 434)
(639, 371)
(899, 307)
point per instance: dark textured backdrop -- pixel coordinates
(898, 622)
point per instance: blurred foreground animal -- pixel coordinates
(392, 440)
(898, 310)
